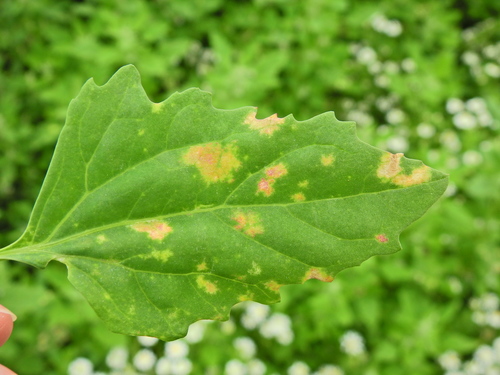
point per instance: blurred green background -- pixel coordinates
(418, 76)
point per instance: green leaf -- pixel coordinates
(168, 213)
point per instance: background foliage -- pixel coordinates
(419, 77)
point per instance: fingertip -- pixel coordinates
(4, 310)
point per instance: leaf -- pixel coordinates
(168, 213)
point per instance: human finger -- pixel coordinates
(7, 319)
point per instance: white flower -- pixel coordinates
(235, 367)
(144, 360)
(196, 331)
(366, 55)
(491, 51)
(382, 81)
(278, 326)
(408, 65)
(384, 104)
(479, 318)
(472, 368)
(496, 347)
(476, 105)
(472, 157)
(256, 367)
(147, 341)
(449, 360)
(489, 302)
(393, 28)
(81, 366)
(455, 283)
(395, 116)
(450, 140)
(245, 347)
(298, 368)
(360, 117)
(228, 327)
(454, 106)
(492, 69)
(485, 119)
(470, 58)
(352, 343)
(163, 366)
(117, 358)
(375, 67)
(391, 67)
(493, 320)
(255, 313)
(484, 356)
(181, 366)
(176, 349)
(397, 144)
(425, 130)
(464, 120)
(329, 370)
(451, 190)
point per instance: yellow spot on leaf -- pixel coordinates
(157, 230)
(298, 197)
(207, 286)
(265, 126)
(140, 132)
(327, 160)
(248, 222)
(316, 273)
(273, 285)
(101, 239)
(303, 184)
(216, 163)
(390, 169)
(156, 107)
(255, 270)
(202, 267)
(265, 185)
(246, 297)
(159, 255)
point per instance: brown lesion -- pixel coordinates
(248, 222)
(266, 126)
(216, 163)
(318, 274)
(156, 229)
(390, 170)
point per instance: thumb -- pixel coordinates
(6, 324)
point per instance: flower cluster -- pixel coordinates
(486, 310)
(485, 360)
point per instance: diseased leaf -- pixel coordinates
(168, 213)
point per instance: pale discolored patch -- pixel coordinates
(101, 239)
(246, 297)
(156, 107)
(265, 185)
(389, 166)
(390, 169)
(255, 270)
(159, 255)
(418, 176)
(273, 285)
(157, 230)
(202, 266)
(248, 222)
(266, 126)
(276, 171)
(298, 197)
(381, 238)
(327, 160)
(207, 286)
(216, 163)
(316, 273)
(141, 132)
(303, 184)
